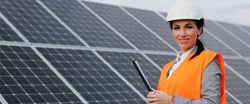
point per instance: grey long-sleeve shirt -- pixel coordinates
(210, 91)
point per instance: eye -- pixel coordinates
(190, 27)
(175, 28)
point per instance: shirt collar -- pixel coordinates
(184, 55)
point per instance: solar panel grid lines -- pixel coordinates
(231, 99)
(241, 65)
(122, 62)
(17, 32)
(236, 85)
(224, 36)
(245, 28)
(60, 21)
(237, 73)
(85, 24)
(212, 43)
(108, 25)
(61, 77)
(245, 32)
(223, 43)
(235, 32)
(25, 78)
(36, 24)
(150, 30)
(152, 62)
(128, 27)
(156, 24)
(161, 60)
(120, 75)
(7, 34)
(90, 76)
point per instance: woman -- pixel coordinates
(197, 75)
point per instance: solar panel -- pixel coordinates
(246, 28)
(90, 76)
(128, 27)
(230, 100)
(35, 23)
(122, 62)
(156, 23)
(228, 39)
(215, 45)
(161, 60)
(73, 51)
(25, 78)
(85, 24)
(7, 34)
(243, 36)
(237, 87)
(241, 66)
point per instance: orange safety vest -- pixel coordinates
(187, 79)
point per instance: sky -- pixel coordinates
(231, 11)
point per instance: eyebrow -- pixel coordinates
(184, 25)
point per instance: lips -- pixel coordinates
(184, 40)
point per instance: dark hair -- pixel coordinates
(199, 23)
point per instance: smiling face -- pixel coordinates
(185, 33)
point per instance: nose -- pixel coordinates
(182, 32)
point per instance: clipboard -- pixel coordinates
(143, 77)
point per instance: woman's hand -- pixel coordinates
(158, 97)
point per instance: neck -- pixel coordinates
(182, 51)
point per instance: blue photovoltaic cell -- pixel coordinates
(85, 24)
(155, 23)
(237, 31)
(128, 27)
(7, 34)
(211, 43)
(122, 62)
(35, 23)
(227, 38)
(241, 66)
(26, 79)
(91, 77)
(237, 87)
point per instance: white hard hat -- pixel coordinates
(184, 9)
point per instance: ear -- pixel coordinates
(200, 31)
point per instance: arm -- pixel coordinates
(210, 91)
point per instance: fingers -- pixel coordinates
(152, 97)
